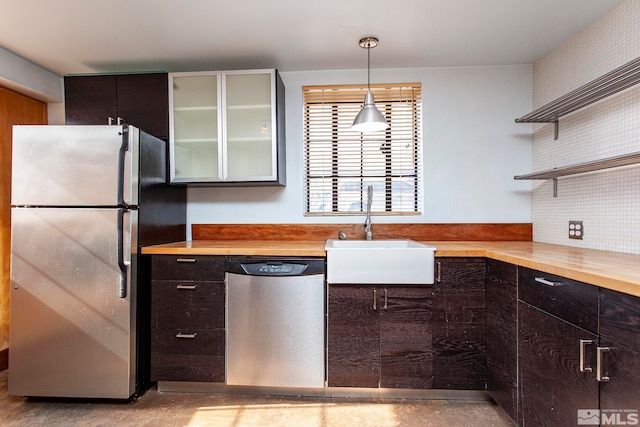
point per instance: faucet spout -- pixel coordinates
(367, 222)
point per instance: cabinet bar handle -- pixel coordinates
(548, 282)
(187, 287)
(109, 121)
(186, 260)
(599, 352)
(439, 271)
(583, 344)
(385, 299)
(187, 336)
(375, 300)
(119, 121)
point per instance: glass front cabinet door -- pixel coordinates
(227, 128)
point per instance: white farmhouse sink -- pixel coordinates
(390, 262)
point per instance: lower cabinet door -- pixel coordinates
(620, 390)
(353, 341)
(406, 359)
(380, 337)
(552, 387)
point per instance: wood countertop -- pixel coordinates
(611, 270)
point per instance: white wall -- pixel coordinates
(472, 150)
(608, 202)
(28, 78)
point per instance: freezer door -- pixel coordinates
(74, 166)
(72, 334)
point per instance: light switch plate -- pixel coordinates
(576, 230)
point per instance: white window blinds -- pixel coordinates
(341, 163)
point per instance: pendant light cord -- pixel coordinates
(369, 66)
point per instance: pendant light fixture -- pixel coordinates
(369, 119)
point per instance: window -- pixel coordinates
(340, 163)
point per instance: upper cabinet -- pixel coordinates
(227, 128)
(140, 100)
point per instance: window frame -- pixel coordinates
(389, 98)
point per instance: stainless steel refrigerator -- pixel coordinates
(84, 200)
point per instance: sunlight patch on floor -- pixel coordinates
(290, 414)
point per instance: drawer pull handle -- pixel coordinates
(599, 376)
(187, 287)
(186, 260)
(187, 336)
(549, 282)
(583, 344)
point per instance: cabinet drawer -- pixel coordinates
(183, 304)
(620, 318)
(573, 301)
(197, 356)
(178, 267)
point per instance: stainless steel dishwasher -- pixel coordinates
(275, 322)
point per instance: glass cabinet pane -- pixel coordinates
(194, 126)
(249, 118)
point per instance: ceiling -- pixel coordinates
(86, 36)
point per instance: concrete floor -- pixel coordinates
(213, 410)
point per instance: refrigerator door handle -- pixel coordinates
(124, 168)
(124, 249)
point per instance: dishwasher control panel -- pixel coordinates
(256, 266)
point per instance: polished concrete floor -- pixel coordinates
(199, 409)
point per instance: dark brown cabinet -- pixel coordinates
(188, 318)
(459, 324)
(619, 348)
(502, 335)
(557, 336)
(141, 100)
(379, 336)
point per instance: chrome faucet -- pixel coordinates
(367, 222)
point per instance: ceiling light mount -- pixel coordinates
(369, 119)
(369, 42)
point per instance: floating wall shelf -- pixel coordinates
(611, 83)
(608, 163)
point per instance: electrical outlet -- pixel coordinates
(576, 230)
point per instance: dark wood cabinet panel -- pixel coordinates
(502, 335)
(90, 100)
(622, 365)
(576, 302)
(405, 338)
(551, 386)
(620, 318)
(200, 358)
(353, 353)
(142, 100)
(379, 337)
(178, 304)
(186, 268)
(620, 339)
(459, 324)
(188, 318)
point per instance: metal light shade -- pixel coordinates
(369, 119)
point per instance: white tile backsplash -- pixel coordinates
(607, 201)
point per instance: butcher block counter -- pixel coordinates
(611, 270)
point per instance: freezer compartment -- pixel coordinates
(75, 166)
(72, 326)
